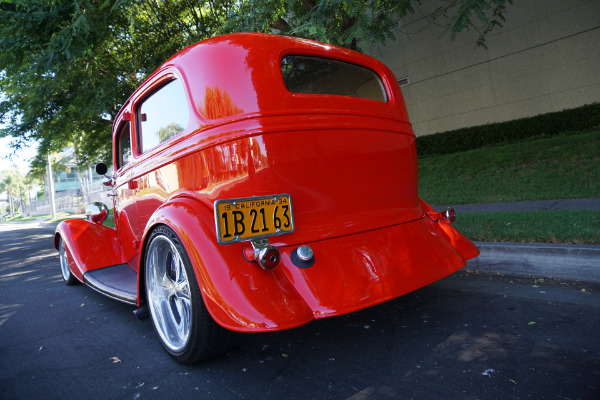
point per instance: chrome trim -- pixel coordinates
(265, 255)
(305, 253)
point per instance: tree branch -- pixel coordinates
(308, 4)
(282, 25)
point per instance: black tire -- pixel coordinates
(66, 273)
(180, 318)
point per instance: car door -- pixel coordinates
(124, 195)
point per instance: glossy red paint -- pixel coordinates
(348, 163)
(89, 245)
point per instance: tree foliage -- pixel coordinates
(13, 183)
(67, 66)
(479, 15)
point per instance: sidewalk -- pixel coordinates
(536, 205)
(540, 260)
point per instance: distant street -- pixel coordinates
(470, 336)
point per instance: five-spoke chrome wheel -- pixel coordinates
(184, 326)
(169, 297)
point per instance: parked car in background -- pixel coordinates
(260, 182)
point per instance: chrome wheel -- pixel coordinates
(168, 290)
(64, 264)
(179, 315)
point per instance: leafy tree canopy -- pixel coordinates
(13, 183)
(66, 66)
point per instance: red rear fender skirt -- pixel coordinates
(354, 272)
(90, 245)
(350, 272)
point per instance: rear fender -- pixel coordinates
(463, 246)
(239, 295)
(89, 245)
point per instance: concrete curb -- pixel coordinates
(540, 260)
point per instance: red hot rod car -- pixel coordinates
(261, 182)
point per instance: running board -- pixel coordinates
(118, 282)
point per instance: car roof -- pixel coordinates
(243, 71)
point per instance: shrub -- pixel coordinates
(566, 121)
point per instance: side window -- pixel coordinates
(123, 145)
(162, 115)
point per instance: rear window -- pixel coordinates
(314, 75)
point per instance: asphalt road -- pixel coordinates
(469, 336)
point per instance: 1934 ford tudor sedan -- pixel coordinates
(261, 182)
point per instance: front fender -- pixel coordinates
(239, 295)
(90, 245)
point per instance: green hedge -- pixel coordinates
(574, 120)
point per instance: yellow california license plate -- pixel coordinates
(250, 218)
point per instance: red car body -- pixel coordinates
(349, 165)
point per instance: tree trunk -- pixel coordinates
(10, 204)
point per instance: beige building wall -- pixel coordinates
(545, 58)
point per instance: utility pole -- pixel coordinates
(51, 188)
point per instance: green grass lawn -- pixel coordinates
(109, 221)
(60, 216)
(556, 226)
(559, 167)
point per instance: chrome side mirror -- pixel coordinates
(97, 212)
